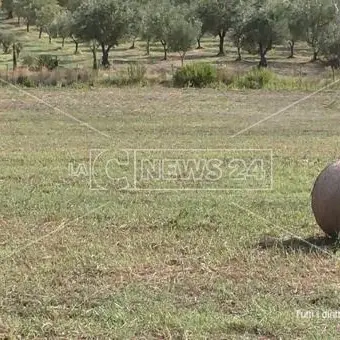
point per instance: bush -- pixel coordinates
(47, 61)
(43, 61)
(195, 75)
(73, 76)
(226, 75)
(30, 62)
(257, 78)
(136, 73)
(25, 81)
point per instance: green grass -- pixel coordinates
(162, 265)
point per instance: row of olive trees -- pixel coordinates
(258, 25)
(252, 25)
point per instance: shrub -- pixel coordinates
(136, 73)
(47, 78)
(195, 75)
(25, 81)
(226, 75)
(47, 61)
(72, 76)
(30, 62)
(257, 78)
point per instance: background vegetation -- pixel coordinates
(108, 34)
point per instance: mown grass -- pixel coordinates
(80, 263)
(162, 265)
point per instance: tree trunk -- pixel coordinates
(148, 47)
(40, 32)
(132, 47)
(10, 15)
(221, 51)
(19, 21)
(105, 59)
(27, 27)
(315, 55)
(76, 43)
(63, 42)
(182, 59)
(291, 46)
(239, 55)
(165, 50)
(199, 47)
(105, 56)
(14, 57)
(94, 55)
(50, 39)
(77, 47)
(263, 60)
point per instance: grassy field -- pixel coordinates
(81, 263)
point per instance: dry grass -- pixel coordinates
(59, 77)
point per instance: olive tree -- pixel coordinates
(26, 9)
(296, 24)
(146, 32)
(216, 17)
(60, 27)
(329, 45)
(7, 39)
(135, 22)
(8, 7)
(103, 21)
(319, 14)
(182, 35)
(265, 26)
(46, 16)
(238, 25)
(63, 27)
(191, 10)
(159, 22)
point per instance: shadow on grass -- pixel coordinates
(307, 245)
